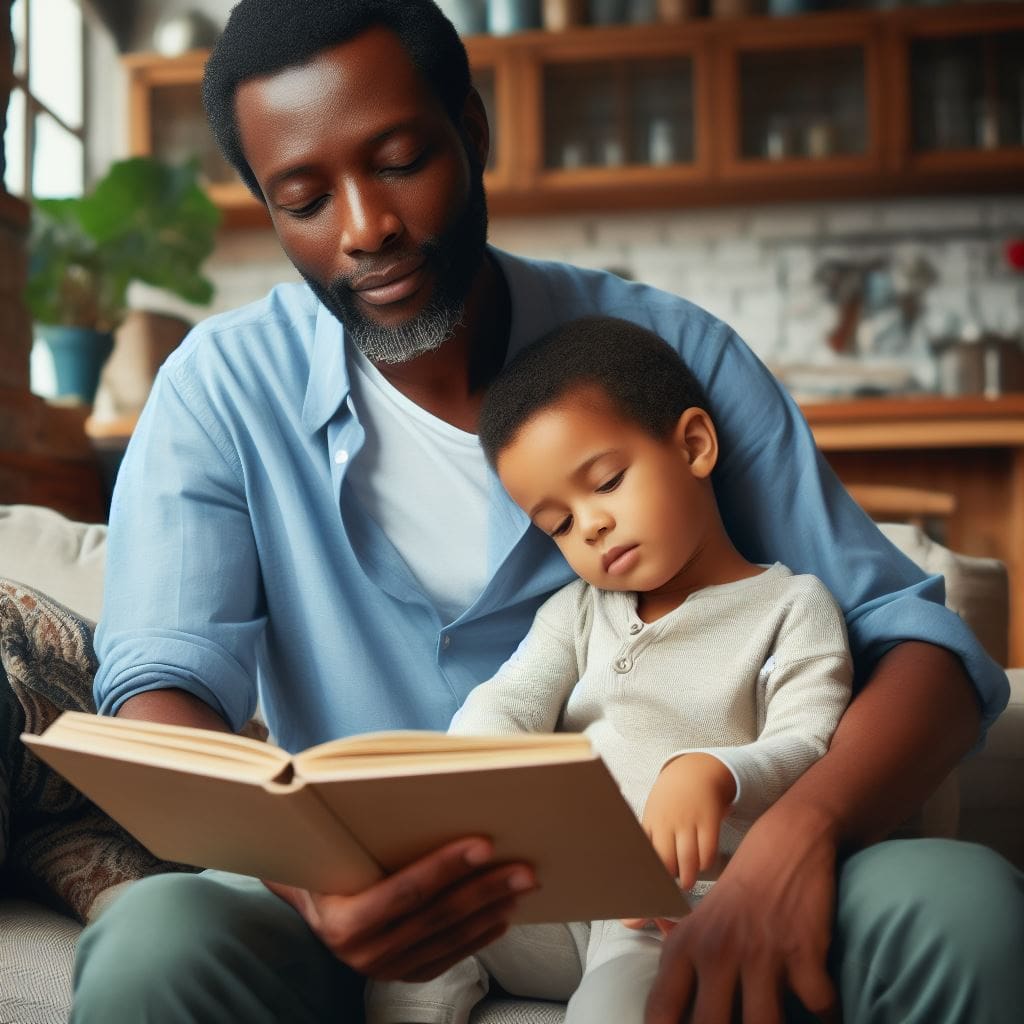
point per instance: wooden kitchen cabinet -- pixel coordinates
(830, 105)
(804, 104)
(611, 115)
(958, 90)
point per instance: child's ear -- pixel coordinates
(696, 438)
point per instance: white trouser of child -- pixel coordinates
(604, 970)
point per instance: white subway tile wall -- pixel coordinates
(752, 266)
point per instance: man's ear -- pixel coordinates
(696, 438)
(475, 129)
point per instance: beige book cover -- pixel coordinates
(339, 816)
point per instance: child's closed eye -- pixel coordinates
(611, 484)
(562, 528)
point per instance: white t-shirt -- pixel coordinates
(439, 516)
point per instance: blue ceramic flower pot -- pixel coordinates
(78, 357)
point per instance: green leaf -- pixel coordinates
(144, 221)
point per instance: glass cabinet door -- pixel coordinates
(803, 105)
(967, 93)
(491, 69)
(803, 95)
(179, 132)
(618, 113)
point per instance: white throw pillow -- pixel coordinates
(61, 558)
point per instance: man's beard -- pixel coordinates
(452, 259)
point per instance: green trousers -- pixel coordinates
(928, 931)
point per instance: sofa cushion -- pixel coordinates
(503, 1010)
(37, 955)
(977, 589)
(992, 783)
(61, 558)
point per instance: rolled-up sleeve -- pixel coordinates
(183, 604)
(780, 500)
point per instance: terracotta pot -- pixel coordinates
(562, 14)
(676, 10)
(141, 344)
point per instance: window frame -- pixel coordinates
(34, 106)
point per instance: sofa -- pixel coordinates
(982, 801)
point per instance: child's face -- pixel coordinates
(629, 511)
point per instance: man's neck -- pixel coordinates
(450, 381)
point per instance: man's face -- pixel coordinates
(371, 191)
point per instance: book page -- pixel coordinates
(413, 752)
(202, 751)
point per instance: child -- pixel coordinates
(707, 683)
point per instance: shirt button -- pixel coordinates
(446, 641)
(635, 627)
(623, 665)
(341, 456)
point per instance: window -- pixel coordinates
(44, 142)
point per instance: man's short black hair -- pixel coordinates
(642, 375)
(266, 36)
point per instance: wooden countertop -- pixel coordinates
(925, 421)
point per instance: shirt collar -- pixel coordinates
(328, 384)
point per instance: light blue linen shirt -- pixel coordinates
(240, 565)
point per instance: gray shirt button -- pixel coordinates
(635, 627)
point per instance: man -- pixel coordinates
(304, 513)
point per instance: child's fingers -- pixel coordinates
(637, 923)
(707, 841)
(665, 847)
(687, 857)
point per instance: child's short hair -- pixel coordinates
(640, 372)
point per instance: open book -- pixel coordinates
(339, 816)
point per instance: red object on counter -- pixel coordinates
(1015, 254)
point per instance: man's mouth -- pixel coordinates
(620, 559)
(395, 283)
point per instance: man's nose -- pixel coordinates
(368, 221)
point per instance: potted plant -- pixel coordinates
(144, 221)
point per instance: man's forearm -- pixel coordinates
(900, 737)
(173, 707)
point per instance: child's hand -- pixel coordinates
(663, 924)
(684, 813)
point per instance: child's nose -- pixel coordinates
(598, 524)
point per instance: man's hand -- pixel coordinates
(765, 927)
(684, 813)
(421, 920)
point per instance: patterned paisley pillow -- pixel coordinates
(54, 844)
